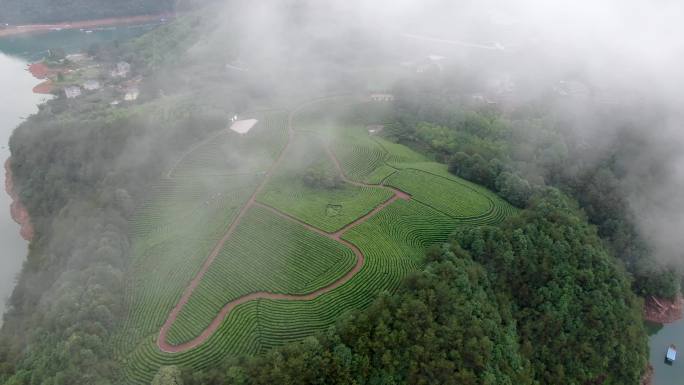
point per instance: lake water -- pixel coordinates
(668, 374)
(17, 101)
(34, 47)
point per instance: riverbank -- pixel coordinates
(660, 311)
(17, 209)
(647, 379)
(44, 88)
(663, 311)
(84, 24)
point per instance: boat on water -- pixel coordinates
(671, 354)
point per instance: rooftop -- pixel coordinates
(671, 354)
(72, 92)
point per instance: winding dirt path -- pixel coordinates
(162, 342)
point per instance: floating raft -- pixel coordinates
(671, 354)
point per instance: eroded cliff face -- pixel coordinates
(662, 310)
(17, 209)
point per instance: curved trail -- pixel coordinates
(162, 342)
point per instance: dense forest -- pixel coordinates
(81, 168)
(80, 193)
(520, 151)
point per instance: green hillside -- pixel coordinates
(294, 239)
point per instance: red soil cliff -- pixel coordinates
(17, 209)
(647, 379)
(662, 310)
(39, 70)
(45, 88)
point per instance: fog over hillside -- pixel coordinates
(614, 57)
(481, 165)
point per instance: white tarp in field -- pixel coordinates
(243, 126)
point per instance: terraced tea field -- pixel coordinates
(236, 253)
(288, 259)
(328, 209)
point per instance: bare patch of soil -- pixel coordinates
(663, 311)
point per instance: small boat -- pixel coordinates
(671, 354)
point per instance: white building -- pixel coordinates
(482, 99)
(76, 58)
(72, 92)
(91, 85)
(572, 88)
(375, 129)
(436, 58)
(382, 97)
(502, 84)
(131, 94)
(121, 70)
(243, 126)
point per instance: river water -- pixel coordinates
(17, 101)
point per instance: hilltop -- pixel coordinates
(270, 212)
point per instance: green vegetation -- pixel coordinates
(174, 234)
(326, 208)
(445, 195)
(229, 153)
(361, 157)
(190, 206)
(447, 311)
(519, 152)
(237, 335)
(274, 254)
(266, 253)
(568, 293)
(494, 306)
(322, 178)
(393, 242)
(82, 170)
(184, 217)
(159, 48)
(168, 375)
